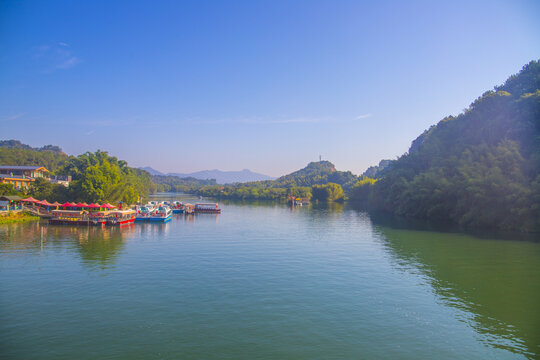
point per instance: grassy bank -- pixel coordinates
(12, 217)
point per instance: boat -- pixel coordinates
(207, 208)
(177, 207)
(68, 217)
(98, 218)
(121, 217)
(161, 214)
(189, 209)
(78, 217)
(142, 213)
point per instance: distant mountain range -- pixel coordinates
(221, 177)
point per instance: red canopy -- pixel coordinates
(108, 206)
(94, 206)
(68, 204)
(30, 199)
(55, 203)
(84, 204)
(45, 203)
(79, 205)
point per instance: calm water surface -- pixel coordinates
(265, 281)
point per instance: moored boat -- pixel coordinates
(177, 207)
(121, 217)
(161, 214)
(207, 208)
(68, 217)
(78, 217)
(189, 209)
(142, 213)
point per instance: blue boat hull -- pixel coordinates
(178, 211)
(160, 219)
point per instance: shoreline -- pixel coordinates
(16, 217)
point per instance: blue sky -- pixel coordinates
(264, 85)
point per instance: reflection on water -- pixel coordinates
(495, 282)
(260, 274)
(98, 247)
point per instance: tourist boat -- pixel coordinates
(121, 217)
(161, 214)
(207, 208)
(98, 218)
(189, 209)
(78, 217)
(68, 217)
(142, 213)
(177, 207)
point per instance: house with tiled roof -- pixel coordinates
(21, 176)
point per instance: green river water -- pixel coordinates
(265, 281)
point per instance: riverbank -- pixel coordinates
(14, 217)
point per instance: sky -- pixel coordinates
(264, 85)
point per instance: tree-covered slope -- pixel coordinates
(97, 177)
(315, 173)
(13, 152)
(298, 183)
(478, 169)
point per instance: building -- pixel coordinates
(21, 176)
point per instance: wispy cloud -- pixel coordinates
(364, 116)
(12, 117)
(57, 56)
(279, 121)
(72, 61)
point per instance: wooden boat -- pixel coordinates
(78, 217)
(98, 218)
(68, 217)
(121, 217)
(207, 208)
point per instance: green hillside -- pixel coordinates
(13, 152)
(480, 169)
(298, 183)
(97, 177)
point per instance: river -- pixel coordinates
(266, 281)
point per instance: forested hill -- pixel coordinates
(13, 152)
(315, 173)
(478, 169)
(298, 183)
(16, 144)
(97, 177)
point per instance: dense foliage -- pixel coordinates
(327, 192)
(479, 169)
(298, 184)
(167, 183)
(13, 152)
(98, 177)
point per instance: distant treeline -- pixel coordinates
(480, 169)
(316, 175)
(168, 183)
